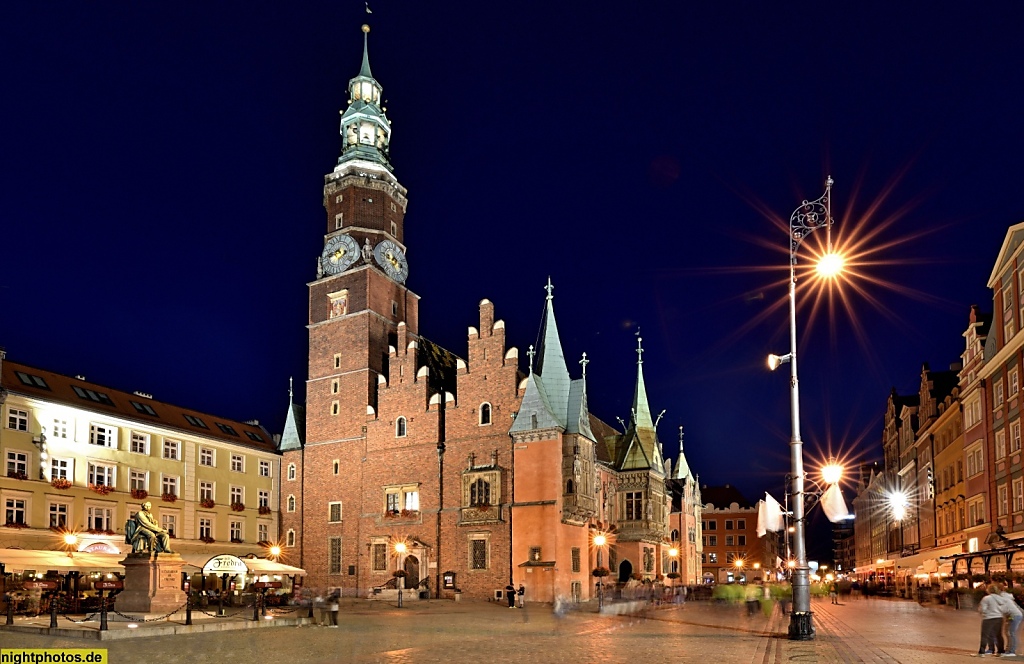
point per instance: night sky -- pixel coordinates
(162, 170)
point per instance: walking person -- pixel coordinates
(333, 609)
(510, 594)
(833, 591)
(1013, 616)
(991, 610)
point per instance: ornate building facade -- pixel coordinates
(458, 473)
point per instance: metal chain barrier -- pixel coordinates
(276, 609)
(247, 607)
(64, 605)
(146, 620)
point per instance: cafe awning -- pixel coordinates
(256, 566)
(20, 560)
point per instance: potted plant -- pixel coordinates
(60, 483)
(139, 494)
(101, 489)
(238, 507)
(168, 497)
(264, 509)
(600, 572)
(17, 474)
(207, 503)
(207, 539)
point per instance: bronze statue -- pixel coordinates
(144, 533)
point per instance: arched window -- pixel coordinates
(485, 413)
(675, 536)
(291, 503)
(480, 492)
(569, 487)
(291, 471)
(533, 421)
(290, 538)
(400, 427)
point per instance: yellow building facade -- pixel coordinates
(81, 459)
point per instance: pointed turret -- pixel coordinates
(640, 446)
(552, 398)
(682, 469)
(365, 130)
(293, 437)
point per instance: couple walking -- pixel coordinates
(996, 607)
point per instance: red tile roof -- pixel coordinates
(23, 379)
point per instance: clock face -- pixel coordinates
(340, 252)
(392, 259)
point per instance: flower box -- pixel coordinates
(169, 497)
(139, 494)
(207, 503)
(235, 540)
(60, 483)
(17, 475)
(238, 507)
(101, 489)
(208, 540)
(264, 509)
(15, 524)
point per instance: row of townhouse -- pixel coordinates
(82, 458)
(953, 480)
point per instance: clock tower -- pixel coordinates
(359, 312)
(359, 296)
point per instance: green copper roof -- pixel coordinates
(365, 70)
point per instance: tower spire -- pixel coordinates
(365, 130)
(365, 71)
(641, 409)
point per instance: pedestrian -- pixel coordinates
(752, 595)
(1013, 616)
(333, 608)
(991, 611)
(521, 596)
(510, 595)
(833, 591)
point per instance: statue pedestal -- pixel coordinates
(152, 584)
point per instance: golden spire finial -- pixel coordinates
(366, 28)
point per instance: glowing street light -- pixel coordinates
(600, 541)
(275, 552)
(898, 503)
(832, 473)
(808, 217)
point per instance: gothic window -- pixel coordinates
(485, 413)
(478, 552)
(400, 429)
(648, 561)
(569, 486)
(290, 538)
(634, 505)
(291, 471)
(674, 536)
(480, 493)
(291, 503)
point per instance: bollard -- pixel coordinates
(53, 611)
(10, 610)
(188, 609)
(103, 612)
(310, 616)
(263, 602)
(220, 604)
(256, 607)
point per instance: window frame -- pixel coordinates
(17, 419)
(330, 511)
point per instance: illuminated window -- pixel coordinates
(17, 463)
(102, 435)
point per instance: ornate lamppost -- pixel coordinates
(808, 217)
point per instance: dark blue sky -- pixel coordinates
(162, 170)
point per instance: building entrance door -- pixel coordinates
(412, 572)
(625, 571)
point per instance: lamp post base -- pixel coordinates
(801, 628)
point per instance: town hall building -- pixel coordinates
(410, 464)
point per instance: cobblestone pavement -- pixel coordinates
(875, 630)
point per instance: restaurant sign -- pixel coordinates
(225, 564)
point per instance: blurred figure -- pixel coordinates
(991, 611)
(752, 595)
(1013, 616)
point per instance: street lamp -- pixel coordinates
(600, 541)
(275, 552)
(738, 564)
(808, 217)
(400, 550)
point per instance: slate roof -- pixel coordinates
(21, 379)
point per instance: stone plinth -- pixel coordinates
(152, 584)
